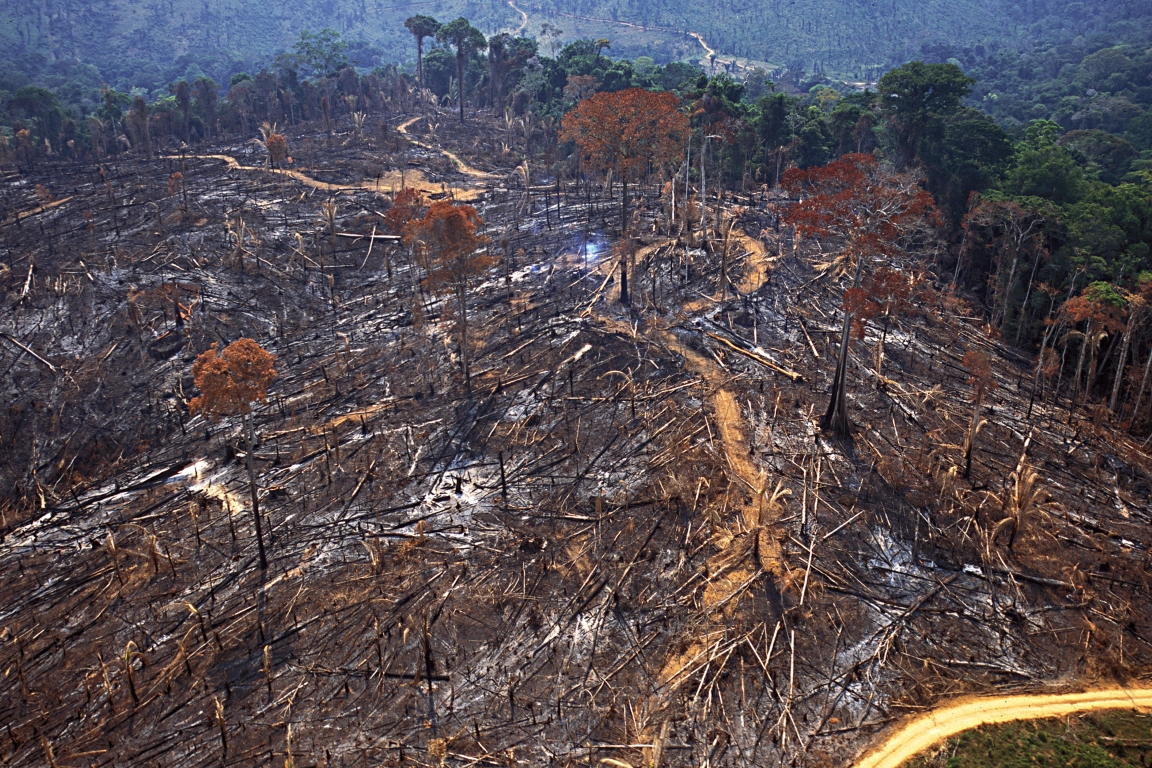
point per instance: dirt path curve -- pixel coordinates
(388, 181)
(461, 166)
(931, 728)
(708, 50)
(745, 543)
(523, 24)
(759, 262)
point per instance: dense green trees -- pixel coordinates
(914, 97)
(467, 40)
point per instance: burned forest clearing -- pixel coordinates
(510, 517)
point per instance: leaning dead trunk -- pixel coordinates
(1143, 385)
(1120, 368)
(248, 434)
(973, 428)
(836, 417)
(461, 299)
(624, 278)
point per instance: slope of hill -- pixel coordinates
(628, 542)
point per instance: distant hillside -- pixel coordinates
(845, 36)
(147, 43)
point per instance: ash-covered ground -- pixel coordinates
(627, 541)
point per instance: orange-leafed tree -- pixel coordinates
(628, 132)
(872, 212)
(979, 364)
(408, 205)
(447, 235)
(277, 147)
(230, 382)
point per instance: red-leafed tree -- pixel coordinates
(408, 205)
(229, 383)
(447, 235)
(872, 212)
(628, 132)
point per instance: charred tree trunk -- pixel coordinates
(462, 308)
(973, 428)
(624, 279)
(460, 82)
(1120, 368)
(248, 434)
(836, 417)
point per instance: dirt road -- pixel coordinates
(461, 166)
(387, 182)
(934, 727)
(524, 19)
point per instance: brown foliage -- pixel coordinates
(447, 232)
(277, 147)
(231, 381)
(979, 364)
(408, 205)
(626, 130)
(854, 198)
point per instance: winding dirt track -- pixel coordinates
(931, 728)
(387, 182)
(461, 166)
(524, 23)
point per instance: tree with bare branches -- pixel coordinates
(871, 210)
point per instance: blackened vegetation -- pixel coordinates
(554, 569)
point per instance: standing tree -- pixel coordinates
(447, 233)
(1102, 309)
(207, 99)
(889, 290)
(1016, 233)
(627, 132)
(466, 39)
(408, 205)
(914, 96)
(138, 124)
(183, 93)
(497, 70)
(421, 27)
(322, 52)
(980, 366)
(872, 211)
(277, 147)
(229, 383)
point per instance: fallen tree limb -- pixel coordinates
(758, 358)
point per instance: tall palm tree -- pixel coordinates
(466, 39)
(421, 27)
(497, 64)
